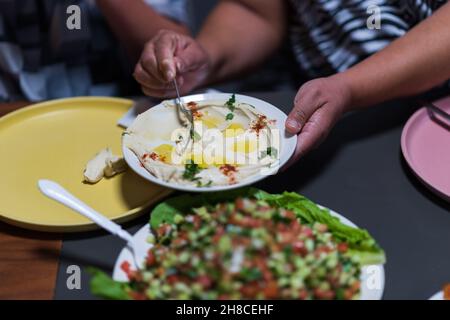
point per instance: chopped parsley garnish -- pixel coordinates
(229, 116)
(230, 103)
(195, 136)
(271, 151)
(192, 133)
(191, 169)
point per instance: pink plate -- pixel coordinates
(426, 148)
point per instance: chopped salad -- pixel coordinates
(252, 247)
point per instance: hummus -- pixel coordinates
(230, 142)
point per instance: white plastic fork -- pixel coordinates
(56, 192)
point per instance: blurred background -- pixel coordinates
(41, 58)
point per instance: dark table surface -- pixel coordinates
(359, 172)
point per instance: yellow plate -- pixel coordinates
(54, 140)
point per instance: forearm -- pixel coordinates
(412, 64)
(134, 23)
(238, 35)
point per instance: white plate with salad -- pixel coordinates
(247, 244)
(235, 140)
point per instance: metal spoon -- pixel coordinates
(187, 112)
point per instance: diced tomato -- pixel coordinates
(178, 242)
(287, 237)
(355, 286)
(249, 222)
(161, 230)
(342, 247)
(271, 290)
(150, 259)
(249, 290)
(205, 281)
(222, 208)
(172, 279)
(160, 271)
(348, 294)
(239, 203)
(264, 208)
(324, 294)
(282, 227)
(135, 276)
(275, 247)
(126, 267)
(289, 214)
(295, 227)
(322, 227)
(219, 232)
(299, 247)
(137, 295)
(307, 232)
(233, 219)
(322, 249)
(303, 294)
(261, 264)
(197, 222)
(333, 281)
(245, 242)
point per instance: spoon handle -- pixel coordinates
(54, 191)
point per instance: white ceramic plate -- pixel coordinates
(372, 277)
(288, 143)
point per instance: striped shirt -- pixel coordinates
(329, 36)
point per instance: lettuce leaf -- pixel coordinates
(361, 244)
(102, 285)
